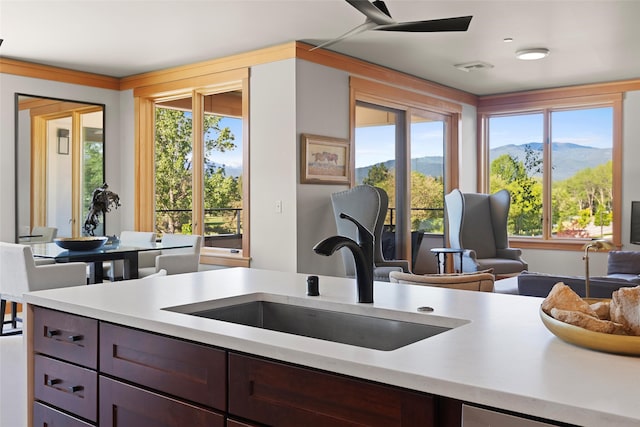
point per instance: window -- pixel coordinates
(193, 148)
(405, 146)
(557, 159)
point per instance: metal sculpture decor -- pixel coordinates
(101, 201)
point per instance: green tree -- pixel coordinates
(427, 192)
(93, 176)
(583, 199)
(377, 174)
(519, 178)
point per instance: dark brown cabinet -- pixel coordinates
(283, 395)
(187, 370)
(125, 405)
(89, 372)
(66, 386)
(45, 416)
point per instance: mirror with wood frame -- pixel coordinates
(59, 162)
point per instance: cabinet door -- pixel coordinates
(44, 416)
(66, 336)
(235, 423)
(66, 386)
(283, 395)
(123, 405)
(183, 369)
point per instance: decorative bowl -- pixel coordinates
(80, 243)
(609, 343)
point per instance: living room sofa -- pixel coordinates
(539, 284)
(623, 270)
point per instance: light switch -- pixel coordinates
(278, 206)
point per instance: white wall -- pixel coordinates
(9, 86)
(125, 153)
(322, 108)
(467, 154)
(272, 165)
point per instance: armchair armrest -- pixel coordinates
(509, 253)
(178, 263)
(470, 253)
(147, 258)
(402, 263)
(58, 275)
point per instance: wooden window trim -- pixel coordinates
(545, 102)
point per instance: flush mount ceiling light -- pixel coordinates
(532, 54)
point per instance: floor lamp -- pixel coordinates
(594, 245)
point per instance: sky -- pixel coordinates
(231, 158)
(592, 127)
(374, 144)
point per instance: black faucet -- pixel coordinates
(362, 255)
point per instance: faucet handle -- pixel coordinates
(363, 232)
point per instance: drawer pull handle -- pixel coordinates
(53, 381)
(75, 388)
(52, 333)
(74, 338)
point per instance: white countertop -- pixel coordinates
(504, 357)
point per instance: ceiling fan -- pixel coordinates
(379, 18)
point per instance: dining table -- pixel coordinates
(128, 253)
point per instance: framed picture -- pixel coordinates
(324, 160)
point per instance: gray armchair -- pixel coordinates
(477, 223)
(368, 205)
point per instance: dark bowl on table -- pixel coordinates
(80, 243)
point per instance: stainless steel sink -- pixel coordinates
(362, 330)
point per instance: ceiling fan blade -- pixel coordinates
(357, 30)
(460, 23)
(380, 17)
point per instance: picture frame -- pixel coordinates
(324, 160)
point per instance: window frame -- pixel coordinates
(546, 103)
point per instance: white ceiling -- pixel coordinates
(590, 41)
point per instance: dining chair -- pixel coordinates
(114, 269)
(40, 234)
(19, 274)
(160, 273)
(174, 261)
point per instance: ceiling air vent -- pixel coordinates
(473, 66)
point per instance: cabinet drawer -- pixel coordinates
(283, 395)
(66, 336)
(186, 370)
(66, 386)
(44, 416)
(124, 405)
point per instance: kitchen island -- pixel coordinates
(498, 353)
